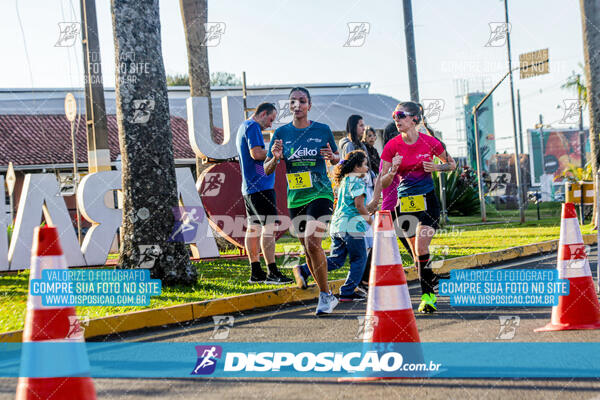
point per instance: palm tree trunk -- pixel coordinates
(195, 14)
(590, 18)
(149, 183)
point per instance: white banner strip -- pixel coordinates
(385, 249)
(389, 298)
(570, 232)
(573, 268)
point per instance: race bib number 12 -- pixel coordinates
(299, 180)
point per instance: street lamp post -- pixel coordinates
(581, 134)
(512, 101)
(478, 157)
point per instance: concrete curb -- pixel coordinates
(115, 324)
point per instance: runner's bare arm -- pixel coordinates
(374, 203)
(258, 153)
(335, 158)
(448, 163)
(389, 170)
(328, 154)
(271, 162)
(270, 165)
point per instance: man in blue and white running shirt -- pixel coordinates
(259, 195)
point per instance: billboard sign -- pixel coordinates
(553, 150)
(485, 124)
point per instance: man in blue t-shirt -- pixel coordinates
(259, 195)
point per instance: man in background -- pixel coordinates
(259, 196)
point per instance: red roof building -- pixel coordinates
(45, 141)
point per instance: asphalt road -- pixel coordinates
(296, 323)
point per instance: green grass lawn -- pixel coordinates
(548, 210)
(222, 278)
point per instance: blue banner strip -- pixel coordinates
(205, 360)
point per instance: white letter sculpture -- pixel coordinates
(105, 220)
(41, 192)
(199, 127)
(204, 244)
(4, 222)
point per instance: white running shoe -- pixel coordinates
(327, 302)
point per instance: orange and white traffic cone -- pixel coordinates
(579, 309)
(389, 300)
(52, 325)
(390, 317)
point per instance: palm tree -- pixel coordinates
(195, 14)
(149, 185)
(590, 19)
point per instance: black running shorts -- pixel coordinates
(319, 209)
(259, 206)
(407, 222)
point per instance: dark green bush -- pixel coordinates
(461, 191)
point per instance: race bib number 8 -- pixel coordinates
(412, 203)
(299, 180)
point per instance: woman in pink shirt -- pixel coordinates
(417, 210)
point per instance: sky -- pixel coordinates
(293, 42)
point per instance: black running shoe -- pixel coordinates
(258, 277)
(354, 297)
(277, 278)
(362, 289)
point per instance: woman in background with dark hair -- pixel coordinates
(417, 209)
(369, 138)
(355, 128)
